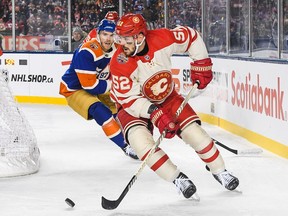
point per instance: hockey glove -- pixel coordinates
(164, 121)
(201, 71)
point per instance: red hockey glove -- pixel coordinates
(201, 71)
(1, 52)
(164, 121)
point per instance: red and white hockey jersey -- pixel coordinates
(139, 81)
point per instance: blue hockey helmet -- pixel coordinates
(106, 25)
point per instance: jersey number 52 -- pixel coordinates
(121, 83)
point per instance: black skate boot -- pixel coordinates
(226, 179)
(129, 151)
(185, 185)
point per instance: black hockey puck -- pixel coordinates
(70, 202)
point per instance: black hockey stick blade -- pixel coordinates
(225, 147)
(113, 204)
(110, 204)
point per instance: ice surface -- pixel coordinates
(79, 162)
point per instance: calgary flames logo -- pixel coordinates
(159, 86)
(135, 19)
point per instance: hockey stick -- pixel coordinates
(244, 152)
(113, 204)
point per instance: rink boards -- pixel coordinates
(247, 98)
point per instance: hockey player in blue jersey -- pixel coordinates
(86, 84)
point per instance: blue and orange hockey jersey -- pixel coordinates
(89, 70)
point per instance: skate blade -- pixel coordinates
(237, 190)
(195, 197)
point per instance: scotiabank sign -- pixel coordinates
(29, 43)
(251, 93)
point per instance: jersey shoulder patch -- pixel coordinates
(93, 47)
(120, 61)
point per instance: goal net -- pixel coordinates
(19, 153)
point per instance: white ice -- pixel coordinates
(79, 162)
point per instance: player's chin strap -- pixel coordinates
(138, 45)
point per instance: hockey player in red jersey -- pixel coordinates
(143, 88)
(110, 15)
(86, 84)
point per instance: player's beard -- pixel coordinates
(129, 51)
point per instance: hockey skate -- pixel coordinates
(226, 179)
(186, 187)
(129, 151)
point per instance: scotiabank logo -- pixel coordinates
(258, 98)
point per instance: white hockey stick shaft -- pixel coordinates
(244, 152)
